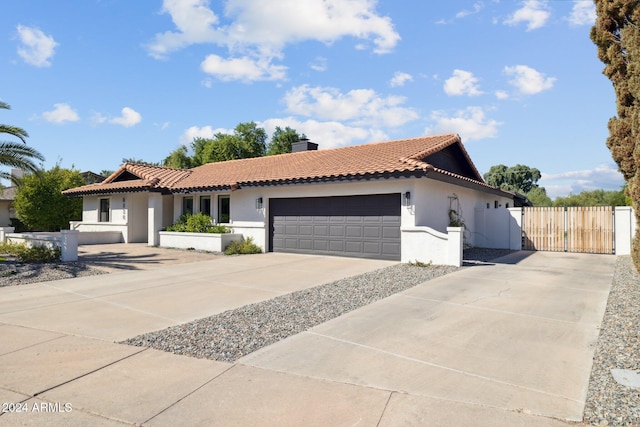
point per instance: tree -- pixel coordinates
(282, 139)
(14, 154)
(39, 201)
(593, 198)
(538, 197)
(247, 140)
(616, 33)
(518, 178)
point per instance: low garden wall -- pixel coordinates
(66, 240)
(211, 242)
(424, 244)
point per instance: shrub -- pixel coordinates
(197, 223)
(243, 248)
(33, 254)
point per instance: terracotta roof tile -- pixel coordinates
(405, 156)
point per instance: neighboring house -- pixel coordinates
(7, 212)
(351, 201)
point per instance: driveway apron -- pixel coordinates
(508, 343)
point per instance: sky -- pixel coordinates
(97, 81)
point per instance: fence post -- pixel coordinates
(455, 244)
(624, 229)
(515, 229)
(69, 246)
(4, 231)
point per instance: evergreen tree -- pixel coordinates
(617, 35)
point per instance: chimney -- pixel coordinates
(303, 145)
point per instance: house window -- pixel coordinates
(224, 209)
(104, 210)
(507, 206)
(205, 205)
(187, 205)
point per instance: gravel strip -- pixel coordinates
(14, 273)
(235, 333)
(610, 403)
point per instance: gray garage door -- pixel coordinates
(356, 226)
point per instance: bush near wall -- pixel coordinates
(244, 247)
(197, 223)
(33, 254)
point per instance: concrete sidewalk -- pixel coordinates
(504, 344)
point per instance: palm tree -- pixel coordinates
(14, 154)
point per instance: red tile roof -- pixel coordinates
(392, 158)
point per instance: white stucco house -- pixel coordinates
(379, 200)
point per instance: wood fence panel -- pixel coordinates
(573, 229)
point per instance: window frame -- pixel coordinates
(102, 213)
(184, 205)
(220, 212)
(205, 198)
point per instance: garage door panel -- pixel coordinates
(359, 226)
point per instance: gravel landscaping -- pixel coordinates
(13, 273)
(610, 403)
(235, 333)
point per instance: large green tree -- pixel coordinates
(282, 139)
(520, 179)
(39, 201)
(247, 140)
(616, 33)
(593, 198)
(14, 154)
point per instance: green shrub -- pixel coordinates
(197, 223)
(33, 254)
(243, 247)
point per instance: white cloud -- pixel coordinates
(582, 13)
(477, 7)
(360, 106)
(319, 64)
(195, 24)
(534, 12)
(261, 29)
(244, 69)
(201, 132)
(471, 124)
(60, 114)
(36, 48)
(400, 78)
(527, 80)
(129, 118)
(330, 134)
(501, 94)
(462, 83)
(604, 177)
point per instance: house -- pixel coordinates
(365, 201)
(7, 212)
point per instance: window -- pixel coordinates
(104, 210)
(224, 209)
(187, 205)
(205, 205)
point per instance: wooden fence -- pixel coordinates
(571, 229)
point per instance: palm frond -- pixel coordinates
(15, 131)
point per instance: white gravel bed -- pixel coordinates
(235, 333)
(13, 273)
(610, 403)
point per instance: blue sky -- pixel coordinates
(96, 81)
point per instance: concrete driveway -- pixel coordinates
(504, 344)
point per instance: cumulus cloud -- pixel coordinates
(534, 12)
(477, 7)
(261, 29)
(471, 124)
(244, 69)
(582, 13)
(501, 94)
(360, 106)
(527, 80)
(605, 176)
(462, 83)
(201, 132)
(329, 134)
(36, 48)
(129, 117)
(319, 64)
(61, 113)
(400, 78)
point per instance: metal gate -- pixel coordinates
(569, 229)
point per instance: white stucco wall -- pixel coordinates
(138, 217)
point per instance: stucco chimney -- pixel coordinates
(303, 145)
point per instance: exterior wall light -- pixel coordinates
(259, 203)
(406, 198)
